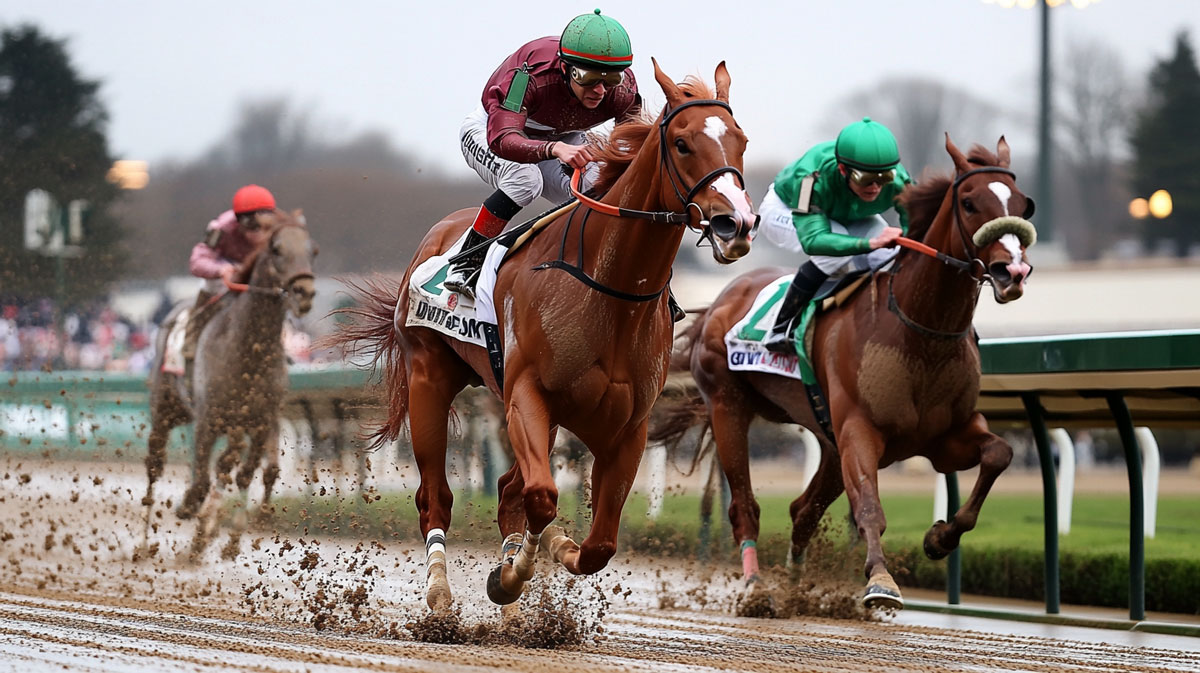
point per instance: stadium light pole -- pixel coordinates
(1045, 181)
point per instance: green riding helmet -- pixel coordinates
(868, 146)
(596, 42)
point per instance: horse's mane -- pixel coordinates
(923, 200)
(283, 219)
(617, 151)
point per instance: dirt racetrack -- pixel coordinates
(73, 598)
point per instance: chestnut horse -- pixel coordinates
(897, 362)
(240, 378)
(586, 350)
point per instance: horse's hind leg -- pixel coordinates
(808, 509)
(730, 428)
(434, 381)
(993, 455)
(161, 423)
(861, 446)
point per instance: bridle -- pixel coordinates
(670, 217)
(666, 166)
(972, 266)
(281, 291)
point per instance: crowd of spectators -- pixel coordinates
(93, 337)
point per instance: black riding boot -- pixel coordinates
(465, 273)
(807, 281)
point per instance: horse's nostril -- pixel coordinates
(724, 226)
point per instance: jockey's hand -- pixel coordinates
(575, 156)
(886, 238)
(228, 272)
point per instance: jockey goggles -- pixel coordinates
(868, 178)
(590, 78)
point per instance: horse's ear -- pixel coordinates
(1002, 153)
(722, 80)
(298, 216)
(960, 162)
(670, 89)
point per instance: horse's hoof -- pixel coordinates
(757, 601)
(932, 549)
(881, 597)
(439, 599)
(186, 510)
(495, 588)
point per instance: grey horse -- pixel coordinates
(240, 380)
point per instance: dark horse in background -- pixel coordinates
(587, 350)
(240, 378)
(898, 364)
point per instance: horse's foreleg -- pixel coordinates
(993, 455)
(613, 473)
(861, 446)
(206, 436)
(270, 473)
(808, 509)
(730, 425)
(529, 430)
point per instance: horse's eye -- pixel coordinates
(682, 146)
(276, 249)
(968, 206)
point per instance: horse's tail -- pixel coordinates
(681, 354)
(681, 408)
(371, 331)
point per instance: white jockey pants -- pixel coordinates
(780, 229)
(522, 183)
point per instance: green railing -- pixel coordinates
(1093, 380)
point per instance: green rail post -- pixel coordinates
(1033, 407)
(954, 563)
(1137, 521)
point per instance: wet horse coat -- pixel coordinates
(240, 376)
(580, 354)
(897, 363)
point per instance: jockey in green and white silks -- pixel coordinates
(828, 203)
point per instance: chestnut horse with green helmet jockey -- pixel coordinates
(585, 328)
(896, 366)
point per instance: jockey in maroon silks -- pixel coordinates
(228, 241)
(528, 131)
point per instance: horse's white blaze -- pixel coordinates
(715, 128)
(736, 196)
(1013, 245)
(1002, 192)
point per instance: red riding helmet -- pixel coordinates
(252, 198)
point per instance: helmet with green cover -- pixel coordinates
(868, 146)
(596, 42)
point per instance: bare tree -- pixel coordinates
(1095, 103)
(919, 111)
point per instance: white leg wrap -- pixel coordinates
(435, 550)
(523, 564)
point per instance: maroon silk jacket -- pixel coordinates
(549, 109)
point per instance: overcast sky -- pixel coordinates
(174, 73)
